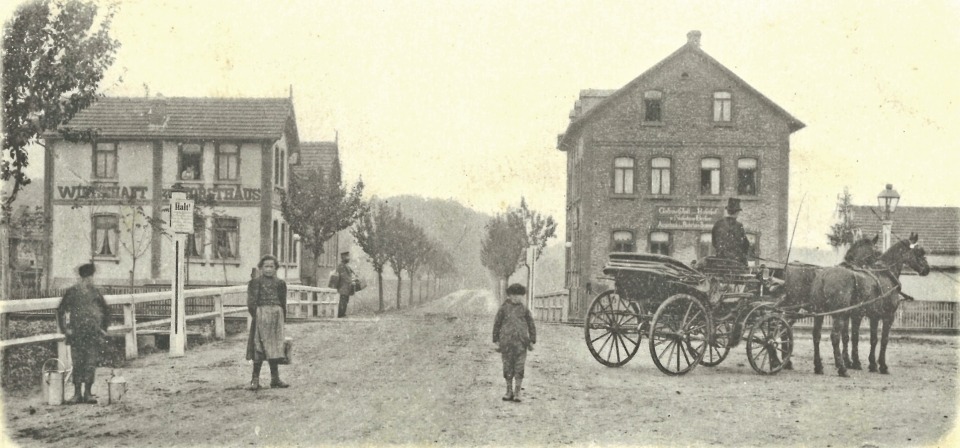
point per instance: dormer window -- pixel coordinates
(722, 106)
(652, 106)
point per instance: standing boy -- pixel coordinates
(83, 317)
(515, 333)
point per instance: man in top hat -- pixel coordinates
(83, 317)
(343, 282)
(729, 238)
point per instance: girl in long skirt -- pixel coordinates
(267, 303)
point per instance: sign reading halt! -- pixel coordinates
(181, 214)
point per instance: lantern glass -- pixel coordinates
(888, 200)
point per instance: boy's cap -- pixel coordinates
(516, 289)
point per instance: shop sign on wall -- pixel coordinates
(683, 217)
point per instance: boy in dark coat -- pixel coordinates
(515, 333)
(83, 316)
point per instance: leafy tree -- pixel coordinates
(317, 207)
(502, 245)
(398, 245)
(370, 232)
(420, 249)
(843, 231)
(55, 53)
(538, 229)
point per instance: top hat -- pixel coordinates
(516, 289)
(733, 205)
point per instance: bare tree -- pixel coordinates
(538, 228)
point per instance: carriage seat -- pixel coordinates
(728, 271)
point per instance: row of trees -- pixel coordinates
(318, 206)
(508, 234)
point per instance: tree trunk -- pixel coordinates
(410, 297)
(399, 282)
(380, 288)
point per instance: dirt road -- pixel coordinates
(429, 375)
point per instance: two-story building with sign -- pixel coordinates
(107, 196)
(650, 167)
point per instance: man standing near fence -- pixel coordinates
(343, 281)
(84, 317)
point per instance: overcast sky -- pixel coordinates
(464, 100)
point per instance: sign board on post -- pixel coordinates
(181, 223)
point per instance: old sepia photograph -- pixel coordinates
(229, 223)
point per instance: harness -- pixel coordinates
(872, 273)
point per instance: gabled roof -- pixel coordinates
(187, 118)
(315, 155)
(692, 46)
(938, 227)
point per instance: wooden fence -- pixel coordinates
(551, 307)
(920, 315)
(203, 304)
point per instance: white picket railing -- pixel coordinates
(302, 302)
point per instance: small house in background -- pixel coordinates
(319, 156)
(939, 231)
(21, 253)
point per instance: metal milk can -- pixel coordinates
(116, 387)
(54, 382)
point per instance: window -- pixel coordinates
(652, 105)
(623, 175)
(196, 240)
(228, 162)
(660, 175)
(226, 238)
(106, 232)
(710, 176)
(704, 245)
(293, 248)
(279, 163)
(754, 250)
(276, 234)
(191, 161)
(105, 160)
(660, 243)
(283, 241)
(747, 177)
(722, 104)
(623, 242)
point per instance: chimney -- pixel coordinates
(693, 38)
(157, 113)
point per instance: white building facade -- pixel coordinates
(107, 196)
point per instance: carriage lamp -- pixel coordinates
(887, 200)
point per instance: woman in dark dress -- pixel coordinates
(267, 303)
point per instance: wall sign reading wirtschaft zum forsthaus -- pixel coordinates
(116, 194)
(684, 217)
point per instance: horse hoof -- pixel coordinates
(843, 374)
(856, 366)
(788, 366)
(873, 368)
(884, 370)
(818, 371)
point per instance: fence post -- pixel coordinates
(130, 320)
(219, 323)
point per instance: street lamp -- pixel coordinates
(887, 200)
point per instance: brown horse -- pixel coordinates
(905, 252)
(798, 286)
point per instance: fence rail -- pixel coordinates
(208, 303)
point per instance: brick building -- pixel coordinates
(232, 153)
(650, 166)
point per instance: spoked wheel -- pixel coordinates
(611, 329)
(678, 334)
(769, 344)
(719, 345)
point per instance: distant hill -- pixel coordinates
(458, 229)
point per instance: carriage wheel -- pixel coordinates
(719, 345)
(678, 334)
(611, 329)
(769, 344)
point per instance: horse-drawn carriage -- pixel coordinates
(690, 316)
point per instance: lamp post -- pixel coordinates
(887, 200)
